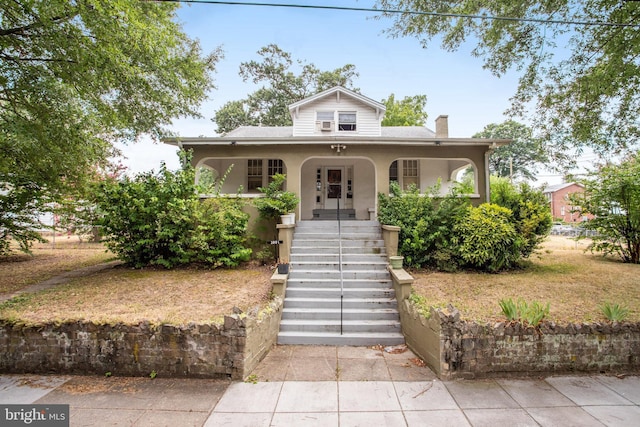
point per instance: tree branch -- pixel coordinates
(17, 59)
(25, 28)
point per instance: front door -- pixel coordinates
(334, 189)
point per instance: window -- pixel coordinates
(393, 172)
(410, 174)
(275, 166)
(347, 121)
(322, 116)
(254, 174)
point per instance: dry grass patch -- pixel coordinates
(48, 260)
(159, 296)
(573, 282)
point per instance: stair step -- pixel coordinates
(335, 258)
(324, 325)
(346, 302)
(306, 292)
(346, 250)
(316, 313)
(335, 338)
(335, 284)
(296, 274)
(347, 266)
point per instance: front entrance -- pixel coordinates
(327, 182)
(334, 194)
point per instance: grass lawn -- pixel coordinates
(123, 294)
(47, 260)
(575, 283)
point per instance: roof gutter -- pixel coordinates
(190, 141)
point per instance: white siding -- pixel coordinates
(368, 123)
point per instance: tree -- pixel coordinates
(268, 105)
(410, 111)
(75, 76)
(579, 62)
(520, 157)
(612, 195)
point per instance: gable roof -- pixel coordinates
(558, 187)
(339, 91)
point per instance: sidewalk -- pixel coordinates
(334, 386)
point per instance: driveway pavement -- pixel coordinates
(334, 386)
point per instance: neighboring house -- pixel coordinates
(561, 207)
(338, 154)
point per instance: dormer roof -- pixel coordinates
(338, 91)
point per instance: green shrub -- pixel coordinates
(532, 314)
(529, 314)
(157, 219)
(276, 201)
(614, 312)
(487, 239)
(530, 209)
(426, 224)
(509, 309)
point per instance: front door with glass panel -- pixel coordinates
(334, 178)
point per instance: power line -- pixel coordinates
(407, 12)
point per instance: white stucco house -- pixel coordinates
(337, 153)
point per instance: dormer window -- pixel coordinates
(347, 121)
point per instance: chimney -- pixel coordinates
(442, 126)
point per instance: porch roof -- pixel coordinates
(283, 135)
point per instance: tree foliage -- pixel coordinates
(269, 104)
(409, 111)
(75, 76)
(612, 195)
(584, 80)
(158, 219)
(519, 158)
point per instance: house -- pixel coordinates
(337, 155)
(561, 207)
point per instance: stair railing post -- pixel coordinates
(340, 264)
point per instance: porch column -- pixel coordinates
(382, 177)
(294, 177)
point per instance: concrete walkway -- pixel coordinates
(335, 386)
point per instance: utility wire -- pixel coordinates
(408, 12)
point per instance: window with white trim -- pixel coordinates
(254, 174)
(323, 116)
(410, 174)
(347, 121)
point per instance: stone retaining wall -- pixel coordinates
(230, 350)
(457, 349)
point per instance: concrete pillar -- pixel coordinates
(285, 235)
(390, 234)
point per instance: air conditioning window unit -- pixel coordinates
(326, 125)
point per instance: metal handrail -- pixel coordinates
(340, 264)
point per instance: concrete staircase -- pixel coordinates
(311, 312)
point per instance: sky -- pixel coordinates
(455, 82)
